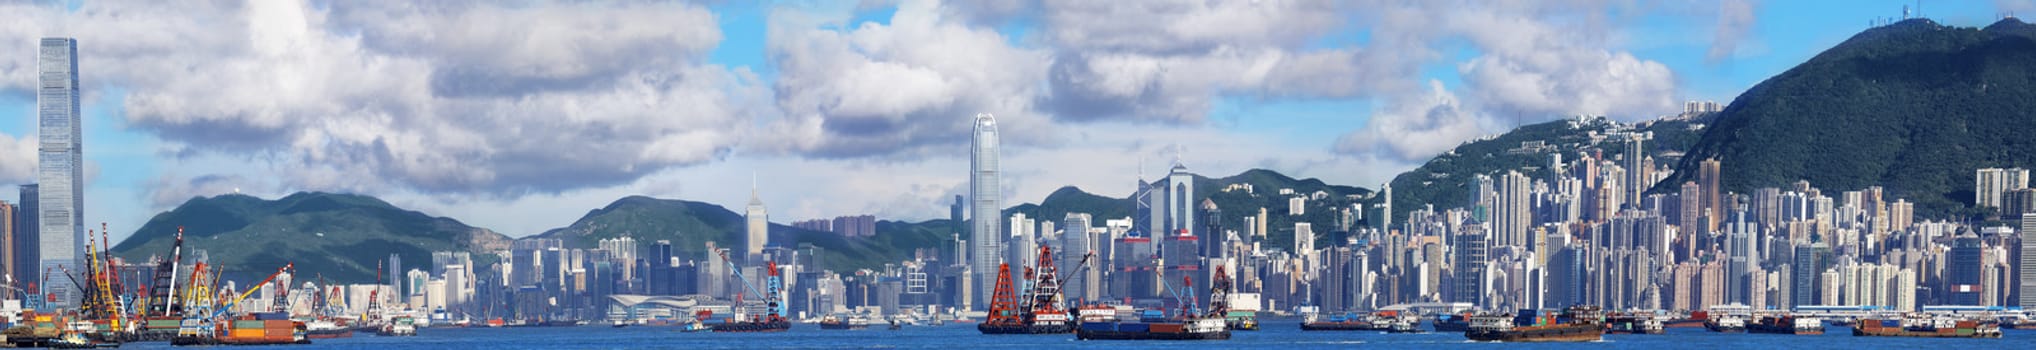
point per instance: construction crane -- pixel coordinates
(1219, 294)
(197, 298)
(773, 307)
(229, 305)
(161, 296)
(1080, 267)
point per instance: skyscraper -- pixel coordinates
(1989, 183)
(985, 203)
(1636, 174)
(62, 164)
(1707, 176)
(1965, 274)
(1511, 213)
(27, 241)
(2028, 262)
(757, 230)
(1180, 200)
(7, 242)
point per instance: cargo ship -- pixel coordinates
(1925, 326)
(1121, 323)
(1787, 324)
(1452, 323)
(1378, 321)
(247, 331)
(1634, 323)
(1578, 323)
(1726, 323)
(1124, 324)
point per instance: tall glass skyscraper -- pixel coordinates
(986, 203)
(61, 167)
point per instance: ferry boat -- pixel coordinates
(400, 326)
(326, 329)
(1926, 326)
(1787, 324)
(1578, 323)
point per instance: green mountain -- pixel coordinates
(690, 225)
(338, 236)
(1915, 107)
(1444, 180)
(1236, 204)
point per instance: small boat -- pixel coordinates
(895, 325)
(326, 329)
(619, 323)
(400, 326)
(695, 326)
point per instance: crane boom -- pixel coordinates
(251, 290)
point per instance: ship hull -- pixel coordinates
(1900, 332)
(1724, 329)
(1452, 327)
(753, 327)
(1342, 327)
(1133, 335)
(1024, 329)
(843, 326)
(1766, 329)
(1562, 333)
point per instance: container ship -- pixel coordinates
(1578, 323)
(248, 331)
(1924, 326)
(1634, 323)
(1787, 324)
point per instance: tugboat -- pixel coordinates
(773, 320)
(326, 329)
(1633, 323)
(399, 326)
(1155, 325)
(1926, 326)
(1452, 323)
(1578, 323)
(1787, 324)
(1040, 312)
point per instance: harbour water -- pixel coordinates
(1275, 334)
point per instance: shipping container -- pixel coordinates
(1099, 326)
(248, 334)
(249, 324)
(1132, 327)
(1167, 328)
(1890, 323)
(265, 316)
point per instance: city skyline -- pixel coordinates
(458, 127)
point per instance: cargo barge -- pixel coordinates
(1726, 323)
(247, 331)
(1452, 323)
(1040, 311)
(773, 319)
(1630, 323)
(1578, 323)
(1923, 326)
(1787, 324)
(844, 323)
(1380, 321)
(1148, 325)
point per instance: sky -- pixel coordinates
(522, 116)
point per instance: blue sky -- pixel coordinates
(772, 88)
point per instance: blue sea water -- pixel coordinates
(1274, 335)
